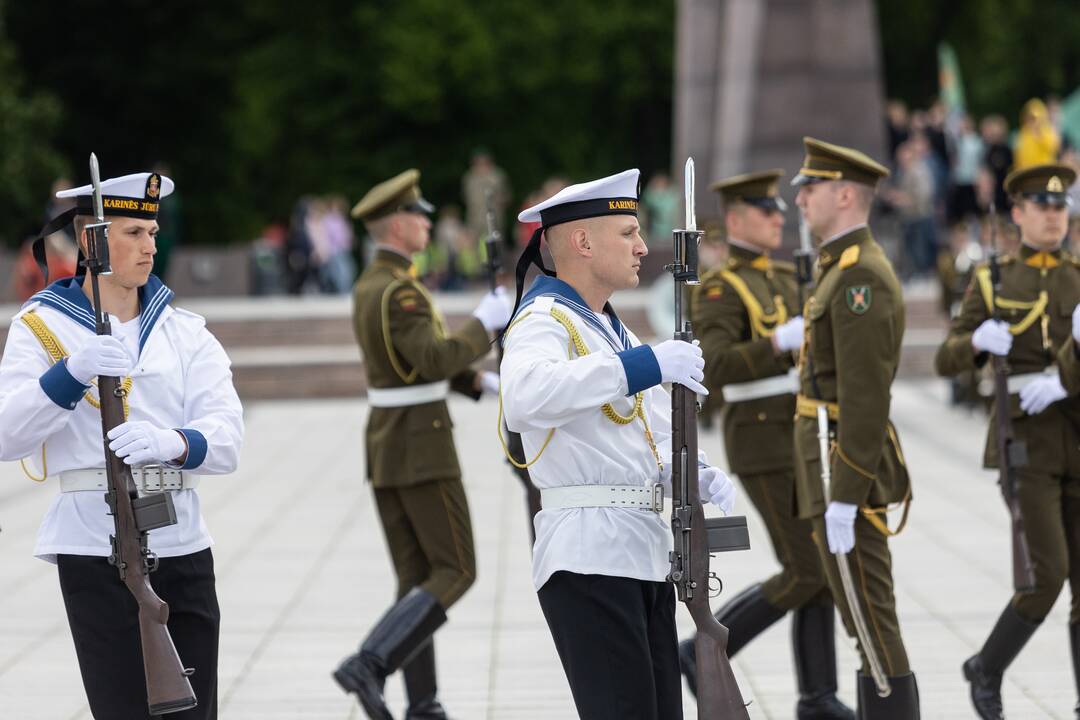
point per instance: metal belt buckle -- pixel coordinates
(657, 498)
(147, 481)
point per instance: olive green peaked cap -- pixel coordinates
(761, 189)
(401, 192)
(1040, 180)
(825, 161)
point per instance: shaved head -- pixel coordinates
(598, 255)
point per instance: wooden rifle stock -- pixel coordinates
(718, 694)
(167, 686)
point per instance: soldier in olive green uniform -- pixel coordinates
(1037, 302)
(746, 315)
(854, 326)
(411, 363)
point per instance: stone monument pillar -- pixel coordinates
(754, 76)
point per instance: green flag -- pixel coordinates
(1070, 117)
(951, 86)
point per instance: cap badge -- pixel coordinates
(1055, 185)
(153, 186)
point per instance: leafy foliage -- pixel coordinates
(256, 104)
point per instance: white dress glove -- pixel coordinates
(1040, 393)
(716, 487)
(840, 527)
(681, 362)
(143, 443)
(494, 310)
(1076, 323)
(100, 355)
(992, 336)
(489, 382)
(789, 336)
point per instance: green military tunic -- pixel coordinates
(1039, 291)
(854, 327)
(734, 312)
(411, 460)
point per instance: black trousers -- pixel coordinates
(104, 621)
(618, 644)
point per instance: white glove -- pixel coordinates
(789, 336)
(1038, 395)
(100, 355)
(992, 336)
(1076, 323)
(494, 310)
(716, 487)
(681, 362)
(840, 527)
(143, 443)
(489, 382)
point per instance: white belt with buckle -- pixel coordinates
(631, 497)
(410, 395)
(152, 478)
(1022, 380)
(786, 384)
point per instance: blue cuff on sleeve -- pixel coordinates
(61, 387)
(642, 370)
(196, 448)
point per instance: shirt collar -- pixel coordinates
(842, 233)
(561, 292)
(740, 247)
(393, 259)
(66, 296)
(831, 252)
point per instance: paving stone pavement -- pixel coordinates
(303, 572)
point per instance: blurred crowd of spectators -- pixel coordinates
(948, 172)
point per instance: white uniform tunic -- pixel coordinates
(182, 380)
(543, 389)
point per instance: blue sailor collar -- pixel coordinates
(67, 297)
(544, 286)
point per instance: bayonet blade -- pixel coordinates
(804, 234)
(95, 181)
(688, 187)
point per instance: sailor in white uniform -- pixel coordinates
(586, 396)
(184, 420)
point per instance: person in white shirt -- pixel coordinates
(184, 420)
(595, 421)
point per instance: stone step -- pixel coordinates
(284, 347)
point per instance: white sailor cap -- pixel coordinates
(137, 195)
(613, 195)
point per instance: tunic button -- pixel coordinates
(761, 416)
(436, 424)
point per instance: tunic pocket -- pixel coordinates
(430, 453)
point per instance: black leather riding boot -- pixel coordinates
(403, 630)
(984, 670)
(813, 636)
(901, 704)
(420, 686)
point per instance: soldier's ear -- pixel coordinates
(579, 241)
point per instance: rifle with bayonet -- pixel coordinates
(514, 448)
(804, 262)
(696, 537)
(1011, 453)
(168, 689)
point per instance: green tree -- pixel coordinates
(1008, 50)
(256, 104)
(28, 161)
